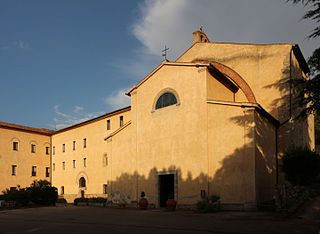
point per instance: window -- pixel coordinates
(108, 124)
(74, 145)
(14, 170)
(63, 147)
(34, 171)
(121, 121)
(15, 146)
(47, 172)
(47, 150)
(105, 189)
(53, 166)
(33, 148)
(53, 150)
(63, 165)
(74, 163)
(82, 182)
(84, 162)
(62, 190)
(166, 99)
(85, 143)
(105, 160)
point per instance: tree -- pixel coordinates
(309, 94)
(313, 14)
(42, 193)
(317, 130)
(301, 166)
(308, 91)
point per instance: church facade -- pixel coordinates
(214, 122)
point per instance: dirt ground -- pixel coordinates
(72, 219)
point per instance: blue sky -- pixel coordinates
(62, 62)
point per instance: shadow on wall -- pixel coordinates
(234, 181)
(293, 130)
(259, 153)
(185, 188)
(248, 174)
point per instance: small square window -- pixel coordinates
(105, 189)
(108, 124)
(74, 145)
(33, 148)
(15, 145)
(84, 162)
(63, 165)
(53, 166)
(63, 147)
(47, 150)
(14, 170)
(62, 190)
(84, 142)
(34, 171)
(53, 150)
(47, 171)
(121, 121)
(74, 163)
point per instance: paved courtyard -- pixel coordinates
(72, 219)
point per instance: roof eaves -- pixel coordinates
(94, 119)
(18, 127)
(301, 60)
(144, 79)
(165, 62)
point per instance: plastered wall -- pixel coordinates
(22, 158)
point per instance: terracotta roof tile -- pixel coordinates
(25, 128)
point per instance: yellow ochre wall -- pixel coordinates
(266, 69)
(166, 140)
(265, 158)
(23, 158)
(211, 140)
(95, 153)
(231, 153)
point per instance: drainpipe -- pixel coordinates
(276, 155)
(50, 159)
(290, 83)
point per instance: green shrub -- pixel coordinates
(301, 166)
(19, 195)
(42, 193)
(61, 200)
(80, 199)
(209, 204)
(97, 199)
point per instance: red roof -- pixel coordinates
(25, 128)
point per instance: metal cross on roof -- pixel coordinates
(164, 54)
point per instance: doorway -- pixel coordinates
(166, 188)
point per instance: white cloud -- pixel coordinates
(118, 99)
(78, 109)
(22, 44)
(77, 116)
(171, 23)
(15, 44)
